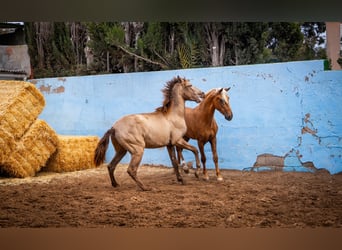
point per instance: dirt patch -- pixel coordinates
(244, 199)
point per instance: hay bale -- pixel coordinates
(73, 153)
(7, 145)
(32, 151)
(20, 104)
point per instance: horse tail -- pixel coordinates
(101, 148)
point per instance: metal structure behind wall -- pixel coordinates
(14, 57)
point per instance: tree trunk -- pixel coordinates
(132, 34)
(172, 41)
(88, 55)
(107, 61)
(127, 29)
(43, 31)
(216, 43)
(236, 52)
(137, 28)
(215, 50)
(79, 39)
(222, 51)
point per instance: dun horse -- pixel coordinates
(201, 125)
(164, 127)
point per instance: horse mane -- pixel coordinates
(211, 93)
(167, 92)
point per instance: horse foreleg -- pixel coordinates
(215, 158)
(180, 160)
(172, 154)
(133, 169)
(112, 165)
(180, 157)
(185, 145)
(203, 159)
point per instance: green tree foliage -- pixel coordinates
(313, 41)
(62, 53)
(59, 49)
(285, 40)
(189, 45)
(106, 58)
(51, 49)
(159, 43)
(246, 43)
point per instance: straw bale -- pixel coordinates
(32, 151)
(7, 145)
(73, 153)
(20, 104)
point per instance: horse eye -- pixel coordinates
(222, 101)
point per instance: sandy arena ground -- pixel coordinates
(244, 199)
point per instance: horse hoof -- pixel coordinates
(196, 174)
(220, 178)
(186, 170)
(206, 177)
(185, 167)
(146, 189)
(179, 178)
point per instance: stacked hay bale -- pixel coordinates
(73, 153)
(27, 143)
(20, 105)
(32, 151)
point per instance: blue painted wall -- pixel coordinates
(272, 103)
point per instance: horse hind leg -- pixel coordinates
(120, 153)
(133, 168)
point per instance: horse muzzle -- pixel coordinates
(229, 117)
(200, 97)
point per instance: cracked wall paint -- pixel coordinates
(291, 161)
(48, 90)
(291, 110)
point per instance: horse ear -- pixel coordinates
(220, 90)
(227, 89)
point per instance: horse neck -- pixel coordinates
(206, 110)
(177, 106)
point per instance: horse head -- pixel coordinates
(190, 92)
(221, 102)
(180, 87)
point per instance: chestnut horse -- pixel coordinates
(201, 126)
(163, 127)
